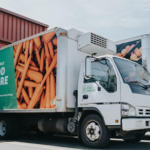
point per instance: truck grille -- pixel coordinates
(98, 40)
(147, 112)
(140, 111)
(144, 112)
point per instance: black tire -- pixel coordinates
(138, 138)
(104, 137)
(7, 124)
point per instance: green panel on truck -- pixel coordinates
(8, 98)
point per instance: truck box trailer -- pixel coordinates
(70, 82)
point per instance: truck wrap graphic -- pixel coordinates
(7, 80)
(130, 50)
(28, 74)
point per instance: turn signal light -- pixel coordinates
(116, 121)
(62, 33)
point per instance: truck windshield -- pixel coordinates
(132, 72)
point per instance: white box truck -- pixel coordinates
(63, 82)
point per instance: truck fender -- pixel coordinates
(90, 110)
(85, 112)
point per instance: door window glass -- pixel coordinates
(103, 72)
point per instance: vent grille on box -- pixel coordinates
(98, 40)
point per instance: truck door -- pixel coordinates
(104, 75)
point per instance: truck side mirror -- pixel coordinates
(88, 67)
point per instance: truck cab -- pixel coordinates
(114, 92)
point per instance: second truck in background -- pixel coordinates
(136, 49)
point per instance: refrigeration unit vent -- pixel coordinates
(92, 43)
(98, 40)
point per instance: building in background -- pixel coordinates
(14, 27)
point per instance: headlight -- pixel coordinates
(128, 110)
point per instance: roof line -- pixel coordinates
(23, 17)
(130, 38)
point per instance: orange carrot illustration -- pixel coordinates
(30, 90)
(24, 105)
(40, 93)
(47, 53)
(37, 42)
(31, 47)
(27, 51)
(23, 77)
(21, 98)
(50, 87)
(50, 46)
(42, 61)
(47, 37)
(17, 53)
(55, 51)
(42, 101)
(22, 58)
(15, 47)
(39, 96)
(34, 68)
(16, 85)
(55, 41)
(37, 55)
(18, 105)
(30, 67)
(18, 73)
(44, 105)
(30, 84)
(34, 75)
(25, 95)
(38, 88)
(24, 45)
(47, 88)
(52, 65)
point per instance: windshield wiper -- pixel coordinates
(140, 83)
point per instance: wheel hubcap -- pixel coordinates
(93, 131)
(2, 128)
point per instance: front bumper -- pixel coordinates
(129, 124)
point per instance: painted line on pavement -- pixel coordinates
(40, 146)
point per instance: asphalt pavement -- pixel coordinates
(36, 142)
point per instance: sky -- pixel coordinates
(112, 19)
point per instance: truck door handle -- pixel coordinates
(85, 96)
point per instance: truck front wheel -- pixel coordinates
(94, 133)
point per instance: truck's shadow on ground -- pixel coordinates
(72, 142)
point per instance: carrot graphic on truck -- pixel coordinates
(32, 60)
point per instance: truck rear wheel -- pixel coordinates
(138, 138)
(94, 133)
(6, 128)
